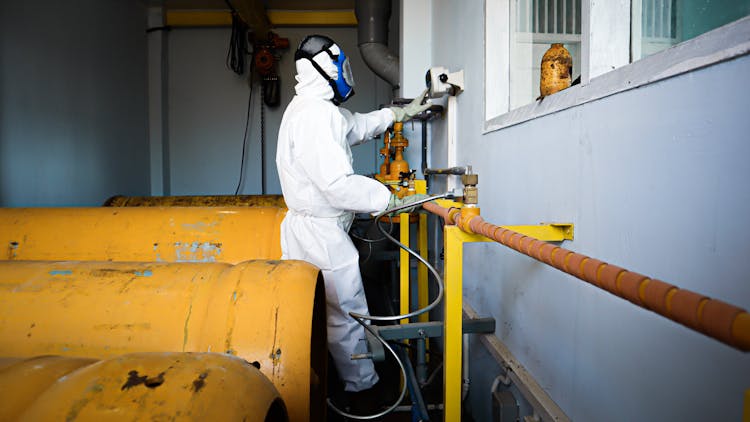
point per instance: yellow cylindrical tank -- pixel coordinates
(141, 386)
(151, 234)
(269, 312)
(197, 201)
(25, 379)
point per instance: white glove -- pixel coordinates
(395, 201)
(403, 114)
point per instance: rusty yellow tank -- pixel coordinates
(142, 386)
(557, 66)
(276, 201)
(271, 313)
(23, 380)
(148, 234)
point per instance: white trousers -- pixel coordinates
(324, 242)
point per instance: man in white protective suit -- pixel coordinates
(322, 193)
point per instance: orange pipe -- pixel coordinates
(714, 318)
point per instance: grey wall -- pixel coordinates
(207, 105)
(655, 180)
(72, 102)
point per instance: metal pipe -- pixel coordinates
(457, 171)
(465, 381)
(372, 34)
(421, 361)
(424, 151)
(414, 392)
(408, 407)
(714, 318)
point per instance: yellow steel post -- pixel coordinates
(454, 240)
(423, 292)
(404, 268)
(423, 296)
(452, 330)
(746, 413)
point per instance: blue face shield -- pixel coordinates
(345, 79)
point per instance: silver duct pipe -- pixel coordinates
(372, 34)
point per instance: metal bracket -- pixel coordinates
(421, 330)
(548, 232)
(377, 352)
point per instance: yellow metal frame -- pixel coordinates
(276, 17)
(555, 232)
(423, 292)
(746, 412)
(198, 18)
(454, 239)
(251, 12)
(404, 268)
(312, 17)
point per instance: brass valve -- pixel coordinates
(471, 193)
(394, 171)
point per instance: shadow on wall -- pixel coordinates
(73, 105)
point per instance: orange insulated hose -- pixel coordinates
(714, 318)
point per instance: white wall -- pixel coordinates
(655, 181)
(207, 105)
(72, 102)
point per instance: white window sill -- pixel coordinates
(721, 44)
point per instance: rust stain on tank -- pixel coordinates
(12, 250)
(134, 379)
(275, 352)
(200, 382)
(133, 326)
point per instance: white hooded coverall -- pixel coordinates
(321, 191)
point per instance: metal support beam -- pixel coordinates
(452, 331)
(433, 329)
(414, 391)
(423, 291)
(298, 18)
(404, 267)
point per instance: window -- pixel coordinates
(535, 26)
(607, 40)
(660, 24)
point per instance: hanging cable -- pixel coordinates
(360, 318)
(244, 137)
(403, 375)
(237, 42)
(262, 142)
(438, 279)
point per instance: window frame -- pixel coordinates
(603, 73)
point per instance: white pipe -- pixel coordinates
(451, 113)
(465, 381)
